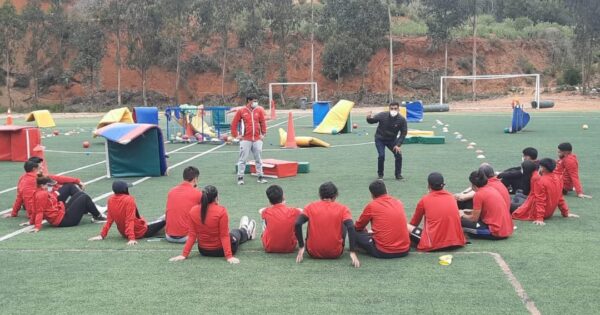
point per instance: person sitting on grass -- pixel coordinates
(546, 195)
(328, 224)
(26, 188)
(513, 178)
(48, 207)
(489, 218)
(123, 211)
(442, 228)
(530, 173)
(209, 226)
(66, 186)
(180, 201)
(389, 236)
(567, 167)
(465, 198)
(278, 222)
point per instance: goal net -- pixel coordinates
(314, 93)
(444, 82)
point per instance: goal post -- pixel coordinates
(493, 77)
(314, 92)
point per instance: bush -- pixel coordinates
(407, 27)
(21, 81)
(246, 84)
(200, 63)
(526, 66)
(571, 77)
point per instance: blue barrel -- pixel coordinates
(320, 110)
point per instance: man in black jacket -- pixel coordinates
(390, 124)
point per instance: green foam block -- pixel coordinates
(411, 139)
(432, 140)
(303, 167)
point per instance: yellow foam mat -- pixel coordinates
(42, 118)
(303, 142)
(122, 115)
(336, 119)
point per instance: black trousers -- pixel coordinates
(237, 238)
(78, 205)
(154, 228)
(66, 191)
(381, 145)
(415, 238)
(467, 204)
(365, 241)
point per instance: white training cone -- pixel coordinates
(479, 151)
(456, 133)
(463, 140)
(481, 156)
(470, 147)
(472, 143)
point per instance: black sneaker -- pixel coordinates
(261, 180)
(380, 177)
(399, 177)
(99, 219)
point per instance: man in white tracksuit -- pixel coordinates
(252, 130)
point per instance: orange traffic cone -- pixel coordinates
(290, 142)
(38, 151)
(9, 119)
(188, 127)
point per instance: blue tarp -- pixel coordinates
(414, 111)
(520, 119)
(145, 115)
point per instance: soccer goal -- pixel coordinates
(314, 93)
(443, 80)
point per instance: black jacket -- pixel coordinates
(389, 127)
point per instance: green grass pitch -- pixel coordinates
(59, 271)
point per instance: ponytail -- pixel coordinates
(478, 178)
(209, 194)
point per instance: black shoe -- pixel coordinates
(399, 177)
(380, 177)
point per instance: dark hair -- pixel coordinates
(44, 180)
(528, 167)
(377, 188)
(435, 180)
(548, 164)
(565, 146)
(275, 194)
(189, 173)
(328, 190)
(251, 97)
(488, 170)
(36, 159)
(30, 166)
(478, 178)
(209, 194)
(530, 152)
(394, 103)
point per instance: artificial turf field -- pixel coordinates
(58, 271)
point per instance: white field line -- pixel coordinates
(63, 173)
(517, 286)
(141, 180)
(101, 177)
(502, 264)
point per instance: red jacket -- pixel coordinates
(251, 121)
(496, 183)
(213, 234)
(324, 232)
(46, 206)
(123, 211)
(61, 180)
(388, 222)
(180, 201)
(493, 211)
(442, 226)
(280, 221)
(545, 196)
(568, 169)
(26, 188)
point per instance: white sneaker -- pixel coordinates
(240, 181)
(251, 230)
(99, 219)
(244, 221)
(261, 180)
(101, 209)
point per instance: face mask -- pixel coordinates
(254, 104)
(394, 113)
(49, 188)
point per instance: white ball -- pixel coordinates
(585, 127)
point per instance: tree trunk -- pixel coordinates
(144, 87)
(177, 74)
(312, 51)
(475, 50)
(446, 65)
(391, 97)
(7, 79)
(225, 40)
(118, 62)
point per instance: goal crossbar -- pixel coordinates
(493, 77)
